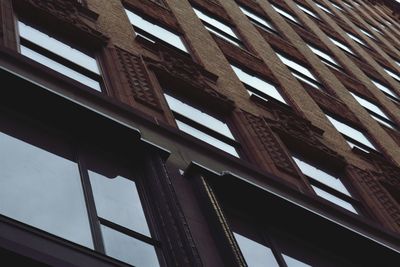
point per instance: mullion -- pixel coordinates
(60, 59)
(265, 28)
(305, 77)
(331, 190)
(129, 232)
(274, 248)
(205, 129)
(230, 37)
(91, 208)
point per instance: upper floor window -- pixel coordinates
(202, 125)
(326, 185)
(341, 46)
(256, 85)
(337, 6)
(258, 20)
(286, 14)
(300, 72)
(152, 31)
(354, 137)
(375, 29)
(307, 11)
(90, 198)
(325, 58)
(355, 38)
(324, 8)
(388, 92)
(392, 74)
(375, 111)
(347, 4)
(367, 33)
(59, 56)
(219, 28)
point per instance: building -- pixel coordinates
(200, 133)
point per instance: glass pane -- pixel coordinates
(323, 55)
(232, 41)
(385, 89)
(342, 46)
(394, 75)
(257, 18)
(321, 176)
(285, 14)
(219, 25)
(255, 254)
(334, 199)
(351, 132)
(117, 200)
(292, 262)
(370, 106)
(355, 38)
(294, 65)
(128, 249)
(307, 11)
(324, 8)
(301, 78)
(259, 84)
(60, 68)
(57, 47)
(198, 116)
(43, 190)
(207, 138)
(156, 30)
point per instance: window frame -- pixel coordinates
(192, 123)
(265, 25)
(151, 37)
(25, 44)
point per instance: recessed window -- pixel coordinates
(393, 74)
(300, 72)
(325, 58)
(367, 33)
(153, 32)
(347, 4)
(337, 6)
(286, 14)
(354, 137)
(324, 8)
(46, 184)
(388, 92)
(258, 20)
(376, 29)
(59, 56)
(358, 40)
(218, 28)
(307, 11)
(375, 111)
(202, 125)
(341, 46)
(256, 85)
(326, 185)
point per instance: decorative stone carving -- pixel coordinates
(69, 12)
(376, 192)
(269, 142)
(292, 126)
(133, 73)
(190, 73)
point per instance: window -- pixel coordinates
(342, 46)
(354, 137)
(258, 86)
(375, 111)
(367, 33)
(90, 198)
(326, 185)
(286, 14)
(375, 29)
(347, 4)
(388, 92)
(218, 28)
(300, 72)
(324, 8)
(337, 6)
(203, 126)
(325, 58)
(392, 74)
(307, 11)
(259, 21)
(152, 32)
(358, 40)
(59, 56)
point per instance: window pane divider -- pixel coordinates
(230, 37)
(129, 232)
